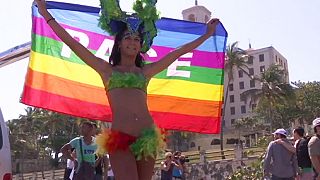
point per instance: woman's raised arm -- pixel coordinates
(156, 67)
(83, 53)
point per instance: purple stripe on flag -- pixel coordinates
(95, 40)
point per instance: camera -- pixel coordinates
(184, 159)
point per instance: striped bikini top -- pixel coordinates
(127, 80)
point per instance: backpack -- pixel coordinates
(303, 153)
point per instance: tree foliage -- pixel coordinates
(180, 140)
(253, 171)
(308, 101)
(275, 97)
(236, 60)
(40, 133)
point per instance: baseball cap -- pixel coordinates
(280, 131)
(316, 122)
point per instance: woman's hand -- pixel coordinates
(43, 9)
(211, 26)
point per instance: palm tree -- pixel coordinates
(274, 89)
(236, 60)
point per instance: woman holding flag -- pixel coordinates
(133, 141)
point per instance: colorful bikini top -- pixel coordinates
(127, 80)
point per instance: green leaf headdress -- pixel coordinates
(113, 19)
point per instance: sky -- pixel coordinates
(292, 27)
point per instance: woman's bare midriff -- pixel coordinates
(129, 110)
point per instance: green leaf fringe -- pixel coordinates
(145, 11)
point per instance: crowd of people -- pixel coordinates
(173, 166)
(82, 150)
(298, 160)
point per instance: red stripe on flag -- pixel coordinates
(208, 125)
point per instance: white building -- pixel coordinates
(196, 14)
(259, 60)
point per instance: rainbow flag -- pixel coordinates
(186, 96)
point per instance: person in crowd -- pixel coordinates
(314, 148)
(69, 167)
(84, 145)
(301, 151)
(177, 170)
(108, 169)
(279, 162)
(304, 161)
(125, 77)
(75, 163)
(167, 166)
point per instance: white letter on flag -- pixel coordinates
(172, 69)
(82, 38)
(106, 47)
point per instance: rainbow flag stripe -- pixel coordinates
(186, 96)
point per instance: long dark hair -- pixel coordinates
(115, 57)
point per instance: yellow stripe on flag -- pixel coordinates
(185, 89)
(64, 69)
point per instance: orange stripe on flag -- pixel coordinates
(65, 87)
(184, 106)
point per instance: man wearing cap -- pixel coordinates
(85, 147)
(314, 148)
(279, 162)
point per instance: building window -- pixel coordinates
(215, 142)
(192, 144)
(276, 59)
(262, 68)
(232, 141)
(231, 98)
(250, 60)
(230, 87)
(233, 121)
(261, 57)
(243, 109)
(252, 83)
(251, 71)
(232, 110)
(192, 18)
(241, 85)
(240, 72)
